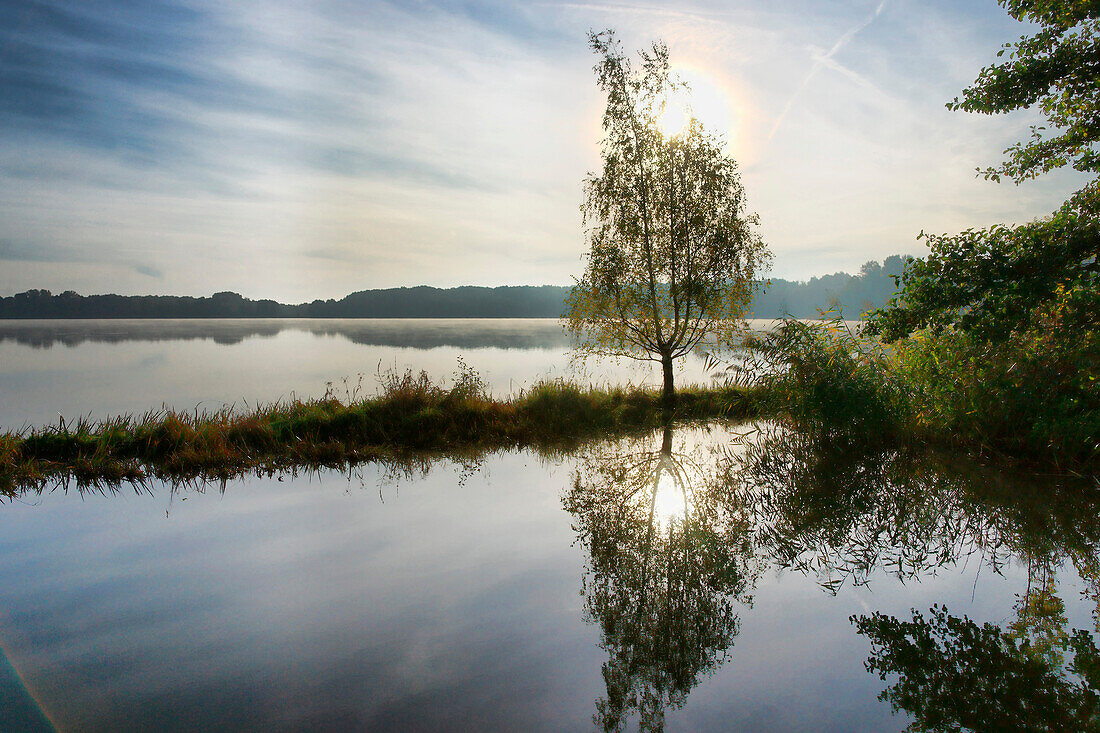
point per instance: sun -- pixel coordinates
(706, 98)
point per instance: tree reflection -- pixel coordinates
(669, 562)
(953, 674)
(843, 510)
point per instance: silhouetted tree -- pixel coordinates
(673, 256)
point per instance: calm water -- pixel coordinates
(99, 368)
(690, 579)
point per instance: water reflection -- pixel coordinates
(676, 536)
(841, 510)
(953, 673)
(419, 333)
(453, 591)
(669, 564)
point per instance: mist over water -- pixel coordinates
(109, 367)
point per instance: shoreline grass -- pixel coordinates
(934, 390)
(410, 415)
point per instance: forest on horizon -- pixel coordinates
(854, 294)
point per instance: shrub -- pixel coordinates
(826, 378)
(1038, 392)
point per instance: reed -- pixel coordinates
(409, 414)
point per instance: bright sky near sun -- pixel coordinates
(301, 150)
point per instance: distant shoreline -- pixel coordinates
(281, 318)
(854, 294)
(419, 302)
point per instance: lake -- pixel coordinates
(110, 367)
(693, 578)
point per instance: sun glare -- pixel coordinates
(674, 118)
(706, 98)
(670, 501)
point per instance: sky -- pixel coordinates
(295, 150)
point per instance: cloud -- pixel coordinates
(825, 60)
(265, 147)
(48, 253)
(24, 252)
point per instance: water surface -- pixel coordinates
(110, 367)
(690, 579)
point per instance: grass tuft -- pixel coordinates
(410, 414)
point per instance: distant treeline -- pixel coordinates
(419, 302)
(853, 293)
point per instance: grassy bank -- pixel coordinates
(1036, 398)
(410, 414)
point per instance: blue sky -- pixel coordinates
(301, 150)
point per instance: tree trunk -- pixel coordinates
(668, 395)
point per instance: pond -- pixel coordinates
(700, 577)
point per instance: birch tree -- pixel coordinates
(673, 256)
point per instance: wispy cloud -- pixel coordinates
(149, 271)
(825, 60)
(23, 252)
(657, 11)
(296, 151)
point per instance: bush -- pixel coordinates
(1037, 393)
(826, 378)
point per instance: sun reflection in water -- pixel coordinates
(670, 500)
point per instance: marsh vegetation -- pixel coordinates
(410, 414)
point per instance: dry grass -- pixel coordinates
(411, 414)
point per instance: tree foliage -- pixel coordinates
(990, 282)
(673, 252)
(993, 282)
(1005, 321)
(872, 286)
(1057, 68)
